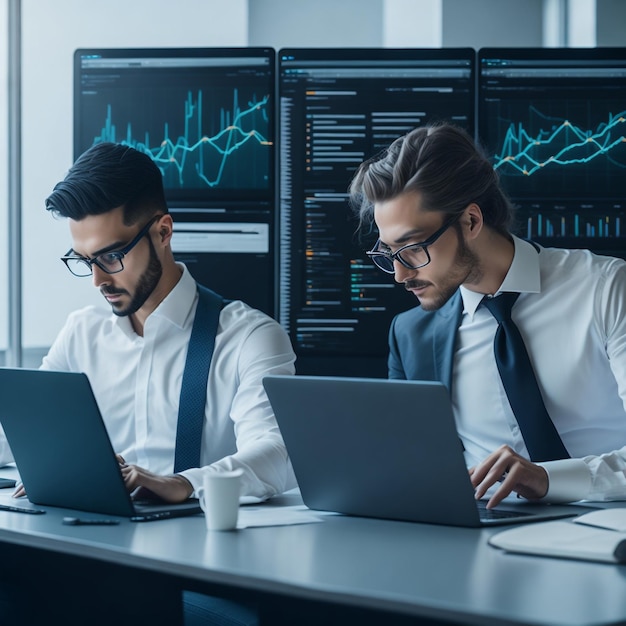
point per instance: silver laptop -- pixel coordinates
(62, 450)
(387, 449)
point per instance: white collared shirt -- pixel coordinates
(572, 316)
(137, 380)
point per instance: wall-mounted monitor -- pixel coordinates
(206, 116)
(339, 107)
(554, 121)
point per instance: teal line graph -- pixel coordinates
(197, 158)
(563, 144)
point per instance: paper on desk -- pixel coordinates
(251, 516)
(563, 539)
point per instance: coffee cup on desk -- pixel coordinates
(219, 499)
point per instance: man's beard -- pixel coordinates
(145, 286)
(466, 269)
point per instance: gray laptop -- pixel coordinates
(62, 450)
(387, 449)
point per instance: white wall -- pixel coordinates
(51, 33)
(345, 23)
(581, 23)
(485, 23)
(319, 23)
(610, 20)
(412, 23)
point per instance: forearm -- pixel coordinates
(266, 469)
(173, 488)
(599, 478)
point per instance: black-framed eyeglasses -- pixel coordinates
(412, 256)
(109, 262)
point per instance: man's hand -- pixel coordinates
(19, 492)
(169, 488)
(515, 473)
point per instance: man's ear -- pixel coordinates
(166, 226)
(473, 220)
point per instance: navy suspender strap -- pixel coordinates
(193, 390)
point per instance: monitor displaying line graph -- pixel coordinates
(205, 116)
(556, 151)
(554, 123)
(191, 153)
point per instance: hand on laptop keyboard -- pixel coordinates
(514, 472)
(19, 492)
(173, 488)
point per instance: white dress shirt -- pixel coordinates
(572, 316)
(137, 380)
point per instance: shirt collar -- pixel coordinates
(176, 307)
(523, 276)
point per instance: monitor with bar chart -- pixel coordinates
(554, 121)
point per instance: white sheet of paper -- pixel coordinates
(563, 539)
(252, 516)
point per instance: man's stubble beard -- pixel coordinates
(466, 270)
(145, 286)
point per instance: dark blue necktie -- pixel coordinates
(195, 376)
(540, 436)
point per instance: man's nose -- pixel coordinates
(100, 277)
(402, 273)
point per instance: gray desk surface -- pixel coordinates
(410, 569)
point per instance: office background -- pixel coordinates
(52, 31)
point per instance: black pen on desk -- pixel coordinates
(77, 521)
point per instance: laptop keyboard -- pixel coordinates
(490, 514)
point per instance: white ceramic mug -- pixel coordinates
(219, 499)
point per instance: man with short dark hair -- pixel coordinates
(445, 234)
(135, 356)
